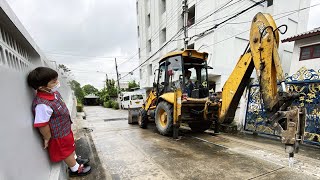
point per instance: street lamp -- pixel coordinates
(106, 81)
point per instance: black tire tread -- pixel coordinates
(169, 110)
(144, 119)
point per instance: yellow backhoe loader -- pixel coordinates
(181, 92)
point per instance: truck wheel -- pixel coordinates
(164, 118)
(143, 118)
(130, 121)
(199, 126)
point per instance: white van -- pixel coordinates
(132, 100)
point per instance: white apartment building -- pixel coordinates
(160, 20)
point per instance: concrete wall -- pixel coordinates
(21, 149)
(310, 63)
(224, 45)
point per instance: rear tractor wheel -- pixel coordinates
(143, 118)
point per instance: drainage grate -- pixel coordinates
(116, 119)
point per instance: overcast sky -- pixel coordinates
(86, 34)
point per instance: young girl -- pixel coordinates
(53, 120)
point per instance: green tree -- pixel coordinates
(64, 68)
(89, 89)
(108, 92)
(132, 84)
(76, 87)
(111, 88)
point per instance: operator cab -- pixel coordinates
(186, 70)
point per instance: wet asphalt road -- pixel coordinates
(128, 152)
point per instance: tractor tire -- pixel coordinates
(164, 118)
(143, 119)
(129, 117)
(199, 126)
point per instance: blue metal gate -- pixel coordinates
(307, 83)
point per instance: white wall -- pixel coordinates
(310, 63)
(225, 46)
(21, 149)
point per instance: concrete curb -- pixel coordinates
(86, 149)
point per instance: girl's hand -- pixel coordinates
(45, 143)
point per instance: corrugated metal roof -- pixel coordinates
(304, 35)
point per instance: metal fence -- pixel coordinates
(307, 83)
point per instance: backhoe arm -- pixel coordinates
(263, 56)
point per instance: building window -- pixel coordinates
(181, 21)
(191, 46)
(140, 73)
(310, 52)
(148, 20)
(270, 3)
(163, 6)
(2, 60)
(191, 15)
(163, 35)
(139, 53)
(137, 7)
(149, 45)
(150, 69)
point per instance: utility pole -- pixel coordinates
(185, 23)
(115, 60)
(107, 81)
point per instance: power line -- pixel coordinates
(172, 16)
(249, 29)
(234, 16)
(156, 33)
(220, 17)
(290, 12)
(154, 53)
(172, 39)
(215, 11)
(204, 17)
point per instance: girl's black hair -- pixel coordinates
(41, 76)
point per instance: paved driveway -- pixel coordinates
(128, 152)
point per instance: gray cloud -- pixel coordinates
(85, 28)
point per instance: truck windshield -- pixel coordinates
(174, 72)
(195, 78)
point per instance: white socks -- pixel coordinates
(75, 168)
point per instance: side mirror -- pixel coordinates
(155, 85)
